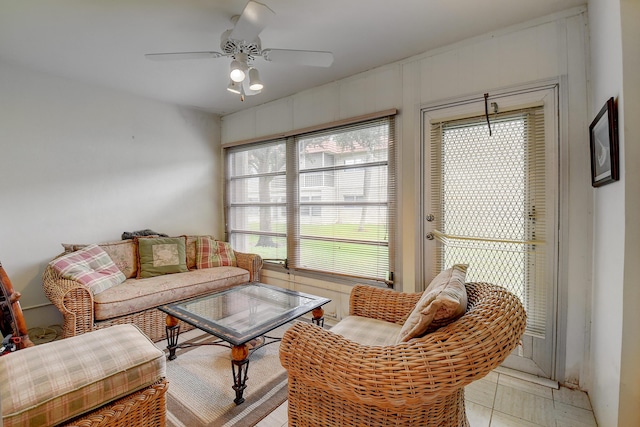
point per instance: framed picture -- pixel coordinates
(603, 135)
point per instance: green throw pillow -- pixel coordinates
(161, 255)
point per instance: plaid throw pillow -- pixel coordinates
(214, 253)
(90, 266)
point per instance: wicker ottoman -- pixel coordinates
(113, 376)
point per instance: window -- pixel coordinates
(256, 198)
(336, 188)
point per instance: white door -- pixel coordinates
(490, 200)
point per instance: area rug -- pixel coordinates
(200, 384)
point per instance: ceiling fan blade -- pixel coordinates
(254, 18)
(182, 55)
(312, 58)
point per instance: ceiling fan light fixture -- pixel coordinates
(234, 87)
(254, 80)
(242, 45)
(237, 73)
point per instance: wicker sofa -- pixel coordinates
(357, 374)
(135, 300)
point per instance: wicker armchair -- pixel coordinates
(337, 382)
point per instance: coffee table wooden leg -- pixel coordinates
(318, 316)
(239, 367)
(173, 330)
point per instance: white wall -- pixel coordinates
(608, 224)
(628, 414)
(554, 47)
(82, 164)
(615, 347)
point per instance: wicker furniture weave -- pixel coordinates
(75, 302)
(337, 382)
(145, 408)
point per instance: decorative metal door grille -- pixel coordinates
(488, 192)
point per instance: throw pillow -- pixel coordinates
(123, 253)
(214, 253)
(90, 266)
(161, 255)
(444, 300)
(192, 242)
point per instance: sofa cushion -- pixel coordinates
(90, 266)
(366, 331)
(214, 253)
(444, 300)
(124, 253)
(161, 255)
(54, 382)
(137, 295)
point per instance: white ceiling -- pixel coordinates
(104, 41)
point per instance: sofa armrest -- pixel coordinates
(73, 299)
(250, 262)
(382, 304)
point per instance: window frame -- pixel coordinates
(294, 179)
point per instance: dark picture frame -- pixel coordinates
(603, 136)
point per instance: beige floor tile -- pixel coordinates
(270, 422)
(478, 415)
(572, 416)
(482, 392)
(277, 418)
(527, 406)
(527, 386)
(492, 377)
(572, 397)
(498, 419)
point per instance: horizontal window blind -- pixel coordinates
(322, 200)
(256, 205)
(489, 195)
(342, 209)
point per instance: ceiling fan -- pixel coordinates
(243, 45)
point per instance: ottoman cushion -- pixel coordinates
(54, 382)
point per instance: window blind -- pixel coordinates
(324, 201)
(488, 193)
(256, 204)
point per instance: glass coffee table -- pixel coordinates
(241, 317)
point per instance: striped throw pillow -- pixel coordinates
(90, 266)
(214, 253)
(444, 301)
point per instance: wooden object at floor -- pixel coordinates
(11, 317)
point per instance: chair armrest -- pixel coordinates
(73, 299)
(383, 376)
(250, 262)
(382, 304)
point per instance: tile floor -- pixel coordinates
(499, 400)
